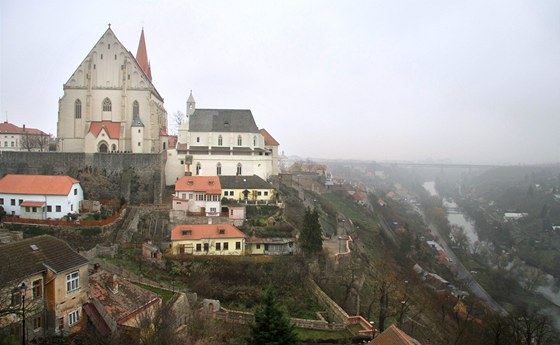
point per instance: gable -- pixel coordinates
(105, 64)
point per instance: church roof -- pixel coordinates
(142, 56)
(113, 129)
(223, 120)
(268, 139)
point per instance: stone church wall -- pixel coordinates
(139, 178)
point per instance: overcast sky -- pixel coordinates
(470, 81)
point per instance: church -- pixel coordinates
(110, 104)
(216, 142)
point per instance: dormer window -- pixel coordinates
(222, 231)
(190, 182)
(186, 232)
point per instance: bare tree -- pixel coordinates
(178, 118)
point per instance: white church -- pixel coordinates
(110, 105)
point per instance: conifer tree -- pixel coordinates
(272, 326)
(310, 238)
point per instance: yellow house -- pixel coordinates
(47, 280)
(247, 188)
(207, 239)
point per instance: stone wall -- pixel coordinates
(139, 178)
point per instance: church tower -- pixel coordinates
(191, 105)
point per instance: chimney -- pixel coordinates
(24, 127)
(114, 284)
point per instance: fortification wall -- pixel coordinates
(140, 178)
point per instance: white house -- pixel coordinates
(14, 138)
(40, 196)
(198, 194)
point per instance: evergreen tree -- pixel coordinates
(272, 326)
(310, 239)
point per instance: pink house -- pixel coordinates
(198, 194)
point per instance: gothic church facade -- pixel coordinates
(110, 103)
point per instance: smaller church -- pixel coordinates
(110, 103)
(216, 142)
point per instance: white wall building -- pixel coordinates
(198, 194)
(215, 142)
(40, 196)
(110, 104)
(14, 138)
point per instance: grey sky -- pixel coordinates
(473, 81)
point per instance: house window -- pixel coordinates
(73, 317)
(75, 191)
(27, 209)
(258, 246)
(49, 208)
(255, 140)
(107, 104)
(198, 247)
(237, 245)
(15, 297)
(186, 232)
(266, 193)
(259, 193)
(198, 168)
(20, 201)
(226, 245)
(206, 247)
(58, 208)
(72, 281)
(12, 144)
(37, 288)
(239, 141)
(101, 56)
(231, 212)
(212, 209)
(220, 140)
(37, 322)
(34, 209)
(184, 195)
(1, 201)
(197, 139)
(239, 169)
(219, 169)
(139, 144)
(71, 208)
(182, 162)
(218, 246)
(61, 323)
(13, 202)
(78, 109)
(135, 108)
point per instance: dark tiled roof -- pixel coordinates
(222, 120)
(244, 182)
(19, 260)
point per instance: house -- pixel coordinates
(14, 138)
(207, 239)
(360, 198)
(394, 336)
(198, 194)
(116, 303)
(247, 188)
(40, 196)
(269, 246)
(110, 103)
(55, 281)
(221, 142)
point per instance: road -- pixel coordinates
(462, 272)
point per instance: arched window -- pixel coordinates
(78, 109)
(238, 169)
(219, 168)
(239, 141)
(135, 109)
(198, 168)
(255, 140)
(220, 141)
(106, 104)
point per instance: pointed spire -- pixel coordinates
(142, 56)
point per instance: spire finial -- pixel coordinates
(109, 25)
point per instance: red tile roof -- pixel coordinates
(268, 139)
(27, 203)
(37, 184)
(203, 231)
(207, 184)
(113, 129)
(172, 141)
(394, 336)
(8, 128)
